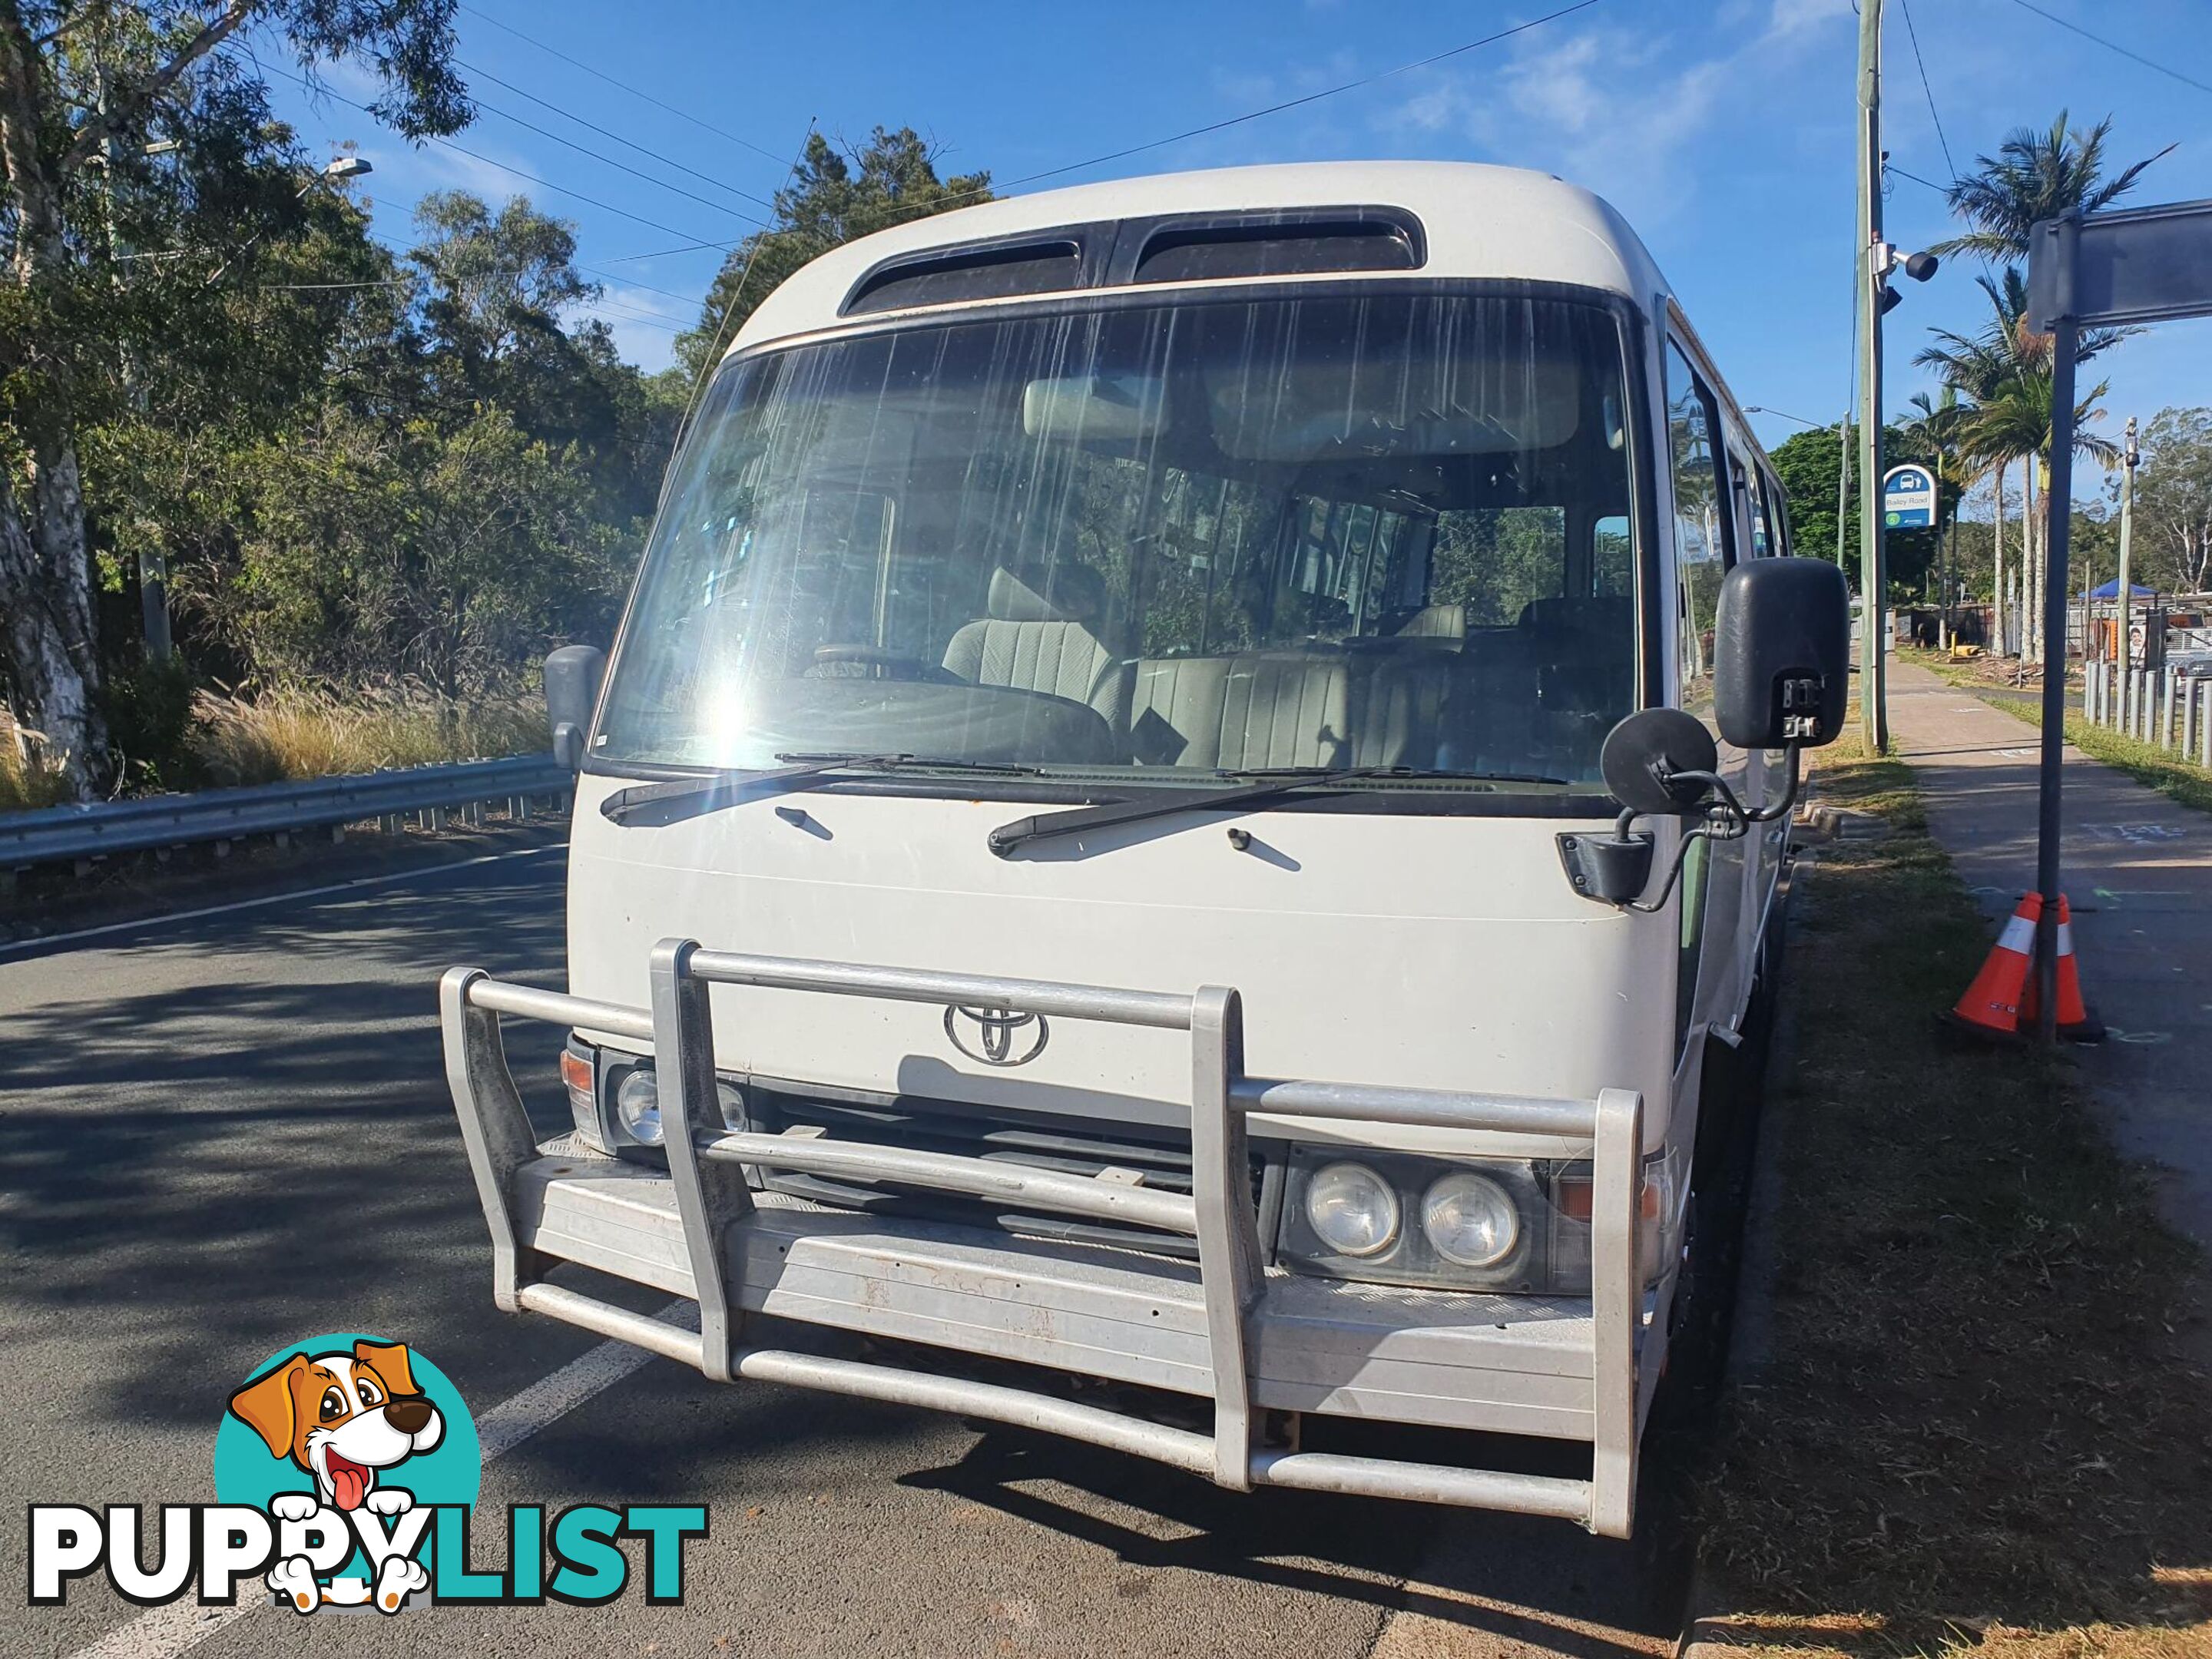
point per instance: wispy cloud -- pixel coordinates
(1611, 108)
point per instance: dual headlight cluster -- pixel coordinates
(616, 1100)
(1400, 1218)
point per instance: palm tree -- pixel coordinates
(2034, 175)
(2004, 370)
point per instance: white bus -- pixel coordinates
(1155, 817)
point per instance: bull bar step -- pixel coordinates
(1249, 1339)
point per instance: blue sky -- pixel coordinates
(1721, 129)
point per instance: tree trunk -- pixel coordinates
(46, 574)
(1999, 642)
(2030, 634)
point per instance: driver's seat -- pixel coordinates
(1027, 641)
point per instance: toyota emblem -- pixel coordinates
(996, 1037)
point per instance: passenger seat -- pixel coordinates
(1259, 709)
(1028, 642)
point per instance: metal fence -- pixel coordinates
(2168, 707)
(80, 834)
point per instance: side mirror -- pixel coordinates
(1781, 653)
(1659, 761)
(572, 691)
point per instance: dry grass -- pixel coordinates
(1978, 1431)
(288, 734)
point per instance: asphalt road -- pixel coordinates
(221, 1133)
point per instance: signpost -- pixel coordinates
(1908, 498)
(2143, 265)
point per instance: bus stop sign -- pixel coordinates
(1908, 498)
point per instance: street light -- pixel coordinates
(332, 172)
(1761, 409)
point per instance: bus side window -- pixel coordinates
(1701, 531)
(1778, 515)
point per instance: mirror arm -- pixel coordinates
(1781, 808)
(1704, 831)
(1730, 819)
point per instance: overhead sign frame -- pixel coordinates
(2150, 265)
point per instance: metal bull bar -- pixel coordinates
(706, 1173)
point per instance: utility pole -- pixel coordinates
(2124, 598)
(1874, 662)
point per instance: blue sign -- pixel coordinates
(1908, 498)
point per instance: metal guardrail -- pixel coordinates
(2162, 706)
(59, 833)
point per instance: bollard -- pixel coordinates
(2188, 718)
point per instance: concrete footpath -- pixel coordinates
(2136, 869)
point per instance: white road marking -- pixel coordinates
(163, 1632)
(15, 947)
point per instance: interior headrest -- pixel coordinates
(1067, 593)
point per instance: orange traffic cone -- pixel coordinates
(2075, 1022)
(1991, 1005)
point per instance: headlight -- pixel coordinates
(637, 1103)
(1351, 1209)
(1470, 1220)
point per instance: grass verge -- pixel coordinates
(288, 734)
(1978, 1431)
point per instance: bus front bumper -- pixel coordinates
(1249, 1339)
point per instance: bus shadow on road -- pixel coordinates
(1514, 1579)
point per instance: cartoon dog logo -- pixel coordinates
(344, 1417)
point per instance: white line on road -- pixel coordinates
(163, 1632)
(21, 947)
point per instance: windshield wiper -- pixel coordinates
(661, 804)
(1264, 786)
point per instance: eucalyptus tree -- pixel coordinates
(87, 89)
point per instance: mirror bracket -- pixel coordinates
(1610, 869)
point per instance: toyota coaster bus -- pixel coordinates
(1190, 798)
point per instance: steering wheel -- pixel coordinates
(873, 662)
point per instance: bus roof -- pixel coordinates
(1477, 221)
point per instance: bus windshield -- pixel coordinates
(1218, 535)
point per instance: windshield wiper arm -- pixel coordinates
(660, 803)
(1264, 786)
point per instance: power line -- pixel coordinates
(608, 161)
(607, 132)
(2114, 46)
(1913, 35)
(1309, 98)
(409, 248)
(474, 155)
(663, 253)
(1892, 166)
(579, 63)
